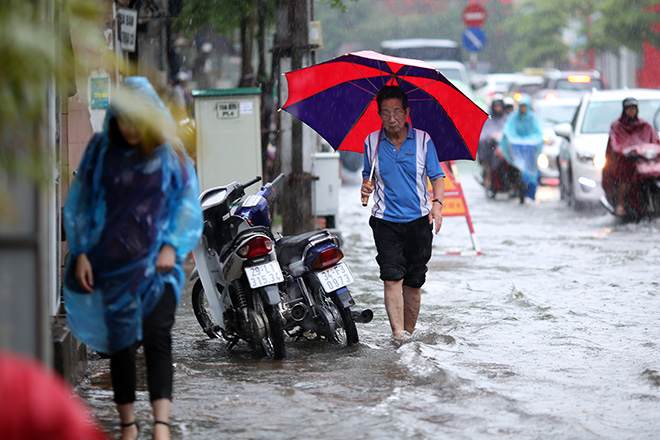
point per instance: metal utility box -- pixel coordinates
(228, 123)
(325, 201)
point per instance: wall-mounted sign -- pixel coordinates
(127, 28)
(227, 110)
(100, 89)
(246, 107)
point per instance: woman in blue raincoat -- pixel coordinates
(522, 142)
(131, 218)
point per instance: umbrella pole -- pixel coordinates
(365, 200)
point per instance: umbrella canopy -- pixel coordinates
(337, 99)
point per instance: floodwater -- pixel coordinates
(552, 333)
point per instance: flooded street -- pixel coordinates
(552, 333)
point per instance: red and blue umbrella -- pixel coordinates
(337, 99)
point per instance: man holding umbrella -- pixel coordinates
(398, 159)
(375, 90)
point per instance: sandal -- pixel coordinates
(160, 422)
(128, 425)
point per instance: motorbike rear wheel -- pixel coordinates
(201, 309)
(273, 343)
(345, 333)
(348, 327)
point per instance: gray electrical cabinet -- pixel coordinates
(325, 201)
(228, 123)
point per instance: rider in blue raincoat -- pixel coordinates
(131, 216)
(522, 142)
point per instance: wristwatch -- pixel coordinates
(437, 200)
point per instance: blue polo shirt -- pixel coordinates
(400, 177)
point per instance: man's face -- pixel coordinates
(393, 115)
(522, 108)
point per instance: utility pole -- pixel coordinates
(292, 48)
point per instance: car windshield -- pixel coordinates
(555, 114)
(450, 73)
(600, 114)
(449, 52)
(579, 85)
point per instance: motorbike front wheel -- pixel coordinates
(273, 342)
(201, 309)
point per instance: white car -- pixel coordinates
(582, 158)
(552, 112)
(452, 70)
(456, 72)
(496, 83)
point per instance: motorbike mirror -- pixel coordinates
(563, 130)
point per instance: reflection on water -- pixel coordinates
(550, 334)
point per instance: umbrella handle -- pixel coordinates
(365, 199)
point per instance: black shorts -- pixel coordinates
(403, 249)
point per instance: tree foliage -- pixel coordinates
(537, 27)
(35, 49)
(626, 24)
(604, 25)
(364, 24)
(224, 16)
(529, 34)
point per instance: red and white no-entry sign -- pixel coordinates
(474, 15)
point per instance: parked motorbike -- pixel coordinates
(235, 293)
(316, 300)
(313, 298)
(641, 165)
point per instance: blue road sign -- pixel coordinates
(474, 39)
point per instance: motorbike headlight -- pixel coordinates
(650, 153)
(543, 161)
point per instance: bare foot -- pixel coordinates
(620, 210)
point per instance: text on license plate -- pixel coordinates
(264, 274)
(335, 277)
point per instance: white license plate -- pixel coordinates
(335, 277)
(264, 274)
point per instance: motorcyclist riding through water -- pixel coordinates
(490, 136)
(522, 142)
(627, 131)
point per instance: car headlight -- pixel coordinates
(585, 157)
(597, 160)
(543, 161)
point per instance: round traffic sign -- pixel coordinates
(474, 15)
(474, 39)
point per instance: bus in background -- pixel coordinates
(422, 49)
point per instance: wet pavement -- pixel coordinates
(550, 334)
